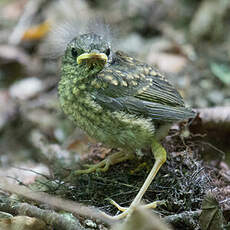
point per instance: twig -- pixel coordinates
(58, 203)
(184, 217)
(215, 124)
(50, 217)
(31, 170)
(215, 115)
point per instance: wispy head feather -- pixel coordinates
(64, 33)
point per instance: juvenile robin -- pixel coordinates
(119, 101)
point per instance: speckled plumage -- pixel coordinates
(122, 104)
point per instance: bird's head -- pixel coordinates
(88, 52)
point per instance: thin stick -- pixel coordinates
(58, 203)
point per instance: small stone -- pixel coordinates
(170, 63)
(26, 88)
(205, 84)
(90, 223)
(216, 97)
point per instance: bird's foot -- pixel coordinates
(126, 212)
(104, 165)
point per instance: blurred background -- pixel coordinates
(187, 40)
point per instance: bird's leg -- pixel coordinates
(160, 157)
(104, 165)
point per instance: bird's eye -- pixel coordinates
(74, 52)
(107, 52)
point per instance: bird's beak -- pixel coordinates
(91, 58)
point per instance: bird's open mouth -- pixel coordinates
(92, 59)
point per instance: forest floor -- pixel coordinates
(40, 147)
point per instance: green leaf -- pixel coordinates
(222, 72)
(211, 217)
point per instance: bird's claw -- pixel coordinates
(122, 209)
(104, 165)
(128, 211)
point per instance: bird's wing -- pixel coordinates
(137, 88)
(152, 110)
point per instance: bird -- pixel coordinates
(119, 101)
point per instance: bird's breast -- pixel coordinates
(113, 128)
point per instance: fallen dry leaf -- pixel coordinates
(37, 32)
(211, 217)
